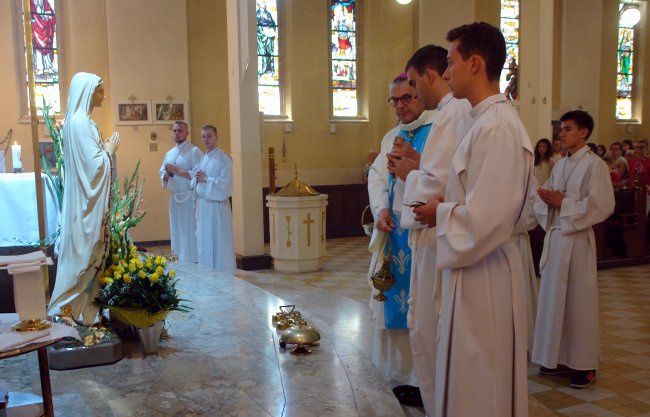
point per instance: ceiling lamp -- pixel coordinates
(403, 1)
(630, 15)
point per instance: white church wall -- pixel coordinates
(10, 104)
(536, 68)
(581, 57)
(148, 59)
(387, 41)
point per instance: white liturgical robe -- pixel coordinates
(528, 222)
(182, 212)
(449, 125)
(84, 220)
(481, 365)
(213, 212)
(566, 330)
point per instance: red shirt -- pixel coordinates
(640, 169)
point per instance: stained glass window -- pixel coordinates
(46, 54)
(625, 68)
(268, 58)
(344, 58)
(509, 24)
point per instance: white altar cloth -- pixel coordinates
(18, 215)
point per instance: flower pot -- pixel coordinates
(150, 336)
(137, 317)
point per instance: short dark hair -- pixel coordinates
(210, 127)
(181, 122)
(581, 118)
(619, 144)
(485, 40)
(429, 56)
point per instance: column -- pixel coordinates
(536, 68)
(245, 136)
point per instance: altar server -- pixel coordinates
(423, 180)
(175, 178)
(213, 183)
(481, 363)
(578, 195)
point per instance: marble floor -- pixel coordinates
(223, 359)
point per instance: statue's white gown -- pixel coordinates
(84, 226)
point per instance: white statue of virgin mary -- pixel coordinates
(84, 239)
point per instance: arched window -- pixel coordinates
(46, 55)
(343, 58)
(268, 58)
(629, 16)
(509, 82)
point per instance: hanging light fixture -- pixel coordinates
(403, 1)
(630, 15)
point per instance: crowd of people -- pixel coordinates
(454, 190)
(628, 163)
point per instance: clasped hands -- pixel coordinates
(425, 213)
(402, 159)
(552, 198)
(200, 176)
(111, 144)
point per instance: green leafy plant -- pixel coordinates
(56, 174)
(136, 288)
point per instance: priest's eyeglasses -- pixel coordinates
(405, 99)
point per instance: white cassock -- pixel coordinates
(449, 126)
(528, 222)
(392, 349)
(182, 211)
(481, 365)
(566, 331)
(83, 243)
(213, 212)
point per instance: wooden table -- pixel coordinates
(43, 367)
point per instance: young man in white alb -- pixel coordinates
(578, 195)
(481, 363)
(175, 178)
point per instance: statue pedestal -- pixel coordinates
(297, 232)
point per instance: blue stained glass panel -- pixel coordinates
(624, 70)
(268, 61)
(344, 55)
(509, 25)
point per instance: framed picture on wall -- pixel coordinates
(133, 112)
(168, 111)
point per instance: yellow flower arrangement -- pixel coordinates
(137, 291)
(140, 290)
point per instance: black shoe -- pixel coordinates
(408, 395)
(559, 371)
(582, 379)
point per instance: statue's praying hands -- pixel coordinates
(111, 144)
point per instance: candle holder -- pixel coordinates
(18, 171)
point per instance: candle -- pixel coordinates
(2, 162)
(16, 159)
